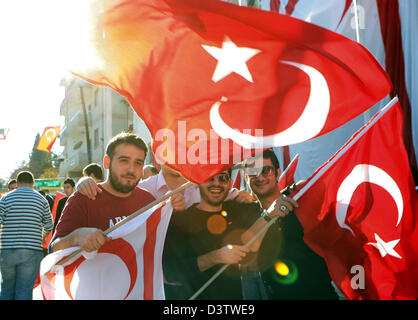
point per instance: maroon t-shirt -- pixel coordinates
(102, 213)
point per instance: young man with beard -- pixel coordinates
(209, 234)
(304, 273)
(83, 220)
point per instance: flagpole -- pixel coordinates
(367, 114)
(218, 273)
(130, 217)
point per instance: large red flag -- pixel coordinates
(359, 212)
(195, 71)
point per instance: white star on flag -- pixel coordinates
(231, 59)
(385, 247)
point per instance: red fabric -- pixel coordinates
(347, 6)
(275, 5)
(47, 140)
(101, 213)
(371, 212)
(152, 53)
(390, 26)
(237, 181)
(149, 253)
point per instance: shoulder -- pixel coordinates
(62, 200)
(239, 207)
(144, 194)
(184, 217)
(76, 199)
(149, 183)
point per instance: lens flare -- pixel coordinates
(282, 268)
(216, 224)
(224, 213)
(285, 272)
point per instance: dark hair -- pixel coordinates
(25, 177)
(11, 182)
(93, 168)
(69, 181)
(153, 169)
(128, 138)
(269, 154)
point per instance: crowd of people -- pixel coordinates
(212, 225)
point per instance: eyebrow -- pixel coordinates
(127, 157)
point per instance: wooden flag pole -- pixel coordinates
(249, 243)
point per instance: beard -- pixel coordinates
(118, 185)
(262, 193)
(205, 194)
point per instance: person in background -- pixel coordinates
(12, 184)
(94, 170)
(25, 221)
(149, 170)
(69, 189)
(48, 198)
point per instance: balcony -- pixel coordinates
(77, 161)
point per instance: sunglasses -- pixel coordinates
(222, 177)
(266, 171)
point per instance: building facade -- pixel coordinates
(93, 115)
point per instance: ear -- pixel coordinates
(106, 162)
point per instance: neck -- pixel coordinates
(29, 185)
(108, 187)
(202, 205)
(173, 182)
(266, 201)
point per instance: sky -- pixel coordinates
(39, 42)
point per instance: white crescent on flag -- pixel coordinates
(127, 267)
(307, 126)
(365, 173)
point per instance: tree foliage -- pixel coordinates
(42, 164)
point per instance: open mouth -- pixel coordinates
(216, 191)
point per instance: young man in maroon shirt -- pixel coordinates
(83, 220)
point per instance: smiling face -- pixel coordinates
(214, 191)
(125, 167)
(265, 184)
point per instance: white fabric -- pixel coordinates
(157, 186)
(105, 275)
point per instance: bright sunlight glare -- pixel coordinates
(41, 41)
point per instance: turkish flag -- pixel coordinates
(212, 79)
(287, 176)
(359, 212)
(126, 268)
(48, 138)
